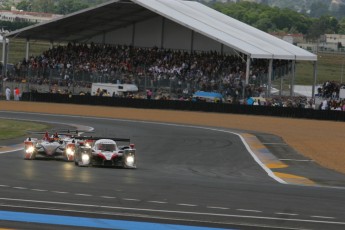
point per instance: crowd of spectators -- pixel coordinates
(78, 65)
(330, 89)
(329, 92)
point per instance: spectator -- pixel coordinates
(324, 104)
(8, 93)
(148, 94)
(16, 94)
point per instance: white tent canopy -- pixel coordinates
(226, 30)
(166, 24)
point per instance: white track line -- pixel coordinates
(173, 211)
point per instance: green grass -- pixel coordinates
(12, 128)
(329, 66)
(17, 49)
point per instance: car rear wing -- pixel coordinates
(98, 138)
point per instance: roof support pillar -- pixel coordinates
(292, 84)
(247, 69)
(4, 56)
(27, 49)
(2, 89)
(269, 80)
(314, 82)
(282, 83)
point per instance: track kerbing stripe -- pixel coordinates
(272, 162)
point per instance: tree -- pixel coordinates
(324, 25)
(266, 18)
(46, 6)
(56, 6)
(24, 5)
(264, 24)
(69, 6)
(342, 26)
(11, 26)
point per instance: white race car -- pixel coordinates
(56, 146)
(98, 151)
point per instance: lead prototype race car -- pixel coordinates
(55, 146)
(99, 151)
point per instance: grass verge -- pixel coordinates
(12, 129)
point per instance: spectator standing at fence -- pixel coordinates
(8, 93)
(148, 94)
(343, 106)
(16, 94)
(324, 105)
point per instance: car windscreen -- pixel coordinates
(106, 147)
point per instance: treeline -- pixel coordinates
(54, 6)
(314, 8)
(274, 19)
(11, 26)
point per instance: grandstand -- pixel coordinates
(177, 25)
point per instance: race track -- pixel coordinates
(186, 176)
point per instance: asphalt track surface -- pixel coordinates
(187, 176)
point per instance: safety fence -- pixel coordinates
(187, 106)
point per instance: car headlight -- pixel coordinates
(30, 149)
(130, 160)
(69, 151)
(85, 157)
(87, 144)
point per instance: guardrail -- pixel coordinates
(331, 115)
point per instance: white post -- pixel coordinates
(4, 61)
(342, 73)
(3, 64)
(269, 83)
(314, 82)
(293, 69)
(247, 69)
(281, 85)
(27, 49)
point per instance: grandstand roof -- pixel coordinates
(81, 26)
